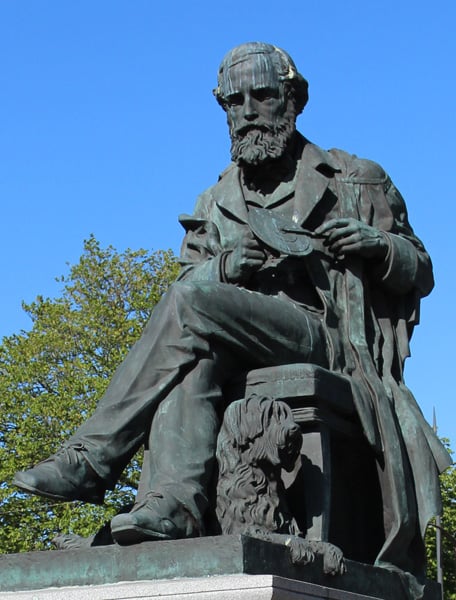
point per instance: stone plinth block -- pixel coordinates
(193, 558)
(217, 587)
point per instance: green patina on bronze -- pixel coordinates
(333, 279)
(190, 558)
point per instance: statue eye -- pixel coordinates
(235, 100)
(266, 93)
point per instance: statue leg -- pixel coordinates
(172, 497)
(172, 493)
(193, 322)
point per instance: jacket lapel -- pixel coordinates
(229, 198)
(310, 187)
(311, 183)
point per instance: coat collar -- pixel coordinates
(314, 171)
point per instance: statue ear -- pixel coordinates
(270, 409)
(232, 424)
(288, 91)
(228, 449)
(218, 96)
(256, 415)
(243, 421)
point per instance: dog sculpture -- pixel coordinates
(258, 439)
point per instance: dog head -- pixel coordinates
(261, 430)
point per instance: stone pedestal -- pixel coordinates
(334, 452)
(217, 587)
(221, 567)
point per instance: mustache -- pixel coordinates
(254, 127)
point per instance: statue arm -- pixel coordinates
(380, 232)
(407, 265)
(201, 256)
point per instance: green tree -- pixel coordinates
(52, 376)
(448, 534)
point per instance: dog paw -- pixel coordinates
(71, 541)
(301, 552)
(333, 560)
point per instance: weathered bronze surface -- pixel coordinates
(279, 233)
(331, 275)
(191, 558)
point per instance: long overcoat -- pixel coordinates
(369, 310)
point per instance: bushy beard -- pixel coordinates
(262, 143)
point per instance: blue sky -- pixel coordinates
(109, 127)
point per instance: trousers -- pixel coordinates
(168, 392)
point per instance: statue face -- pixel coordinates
(260, 119)
(253, 95)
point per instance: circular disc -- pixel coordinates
(279, 233)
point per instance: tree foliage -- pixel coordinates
(448, 535)
(52, 376)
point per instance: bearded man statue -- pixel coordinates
(349, 306)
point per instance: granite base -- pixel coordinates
(201, 560)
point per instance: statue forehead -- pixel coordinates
(255, 69)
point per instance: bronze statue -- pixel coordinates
(296, 255)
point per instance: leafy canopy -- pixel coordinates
(52, 376)
(448, 534)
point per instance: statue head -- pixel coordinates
(262, 93)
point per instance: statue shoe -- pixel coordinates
(66, 475)
(156, 518)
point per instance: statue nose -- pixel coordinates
(250, 114)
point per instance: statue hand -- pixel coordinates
(247, 257)
(350, 236)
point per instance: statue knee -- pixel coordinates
(188, 297)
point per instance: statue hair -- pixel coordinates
(286, 70)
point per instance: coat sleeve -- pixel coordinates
(201, 255)
(407, 266)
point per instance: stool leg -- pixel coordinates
(316, 472)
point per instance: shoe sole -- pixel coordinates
(33, 490)
(131, 534)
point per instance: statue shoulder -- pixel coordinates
(221, 181)
(358, 170)
(230, 168)
(206, 199)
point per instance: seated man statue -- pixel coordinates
(349, 305)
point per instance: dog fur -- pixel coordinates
(258, 439)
